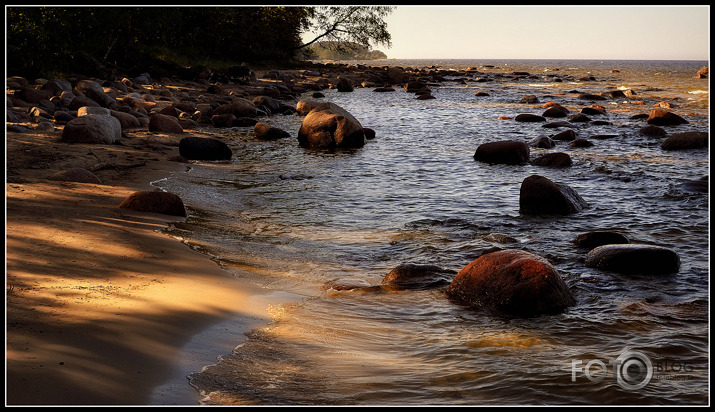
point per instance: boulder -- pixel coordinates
(76, 174)
(241, 107)
(126, 120)
(525, 117)
(304, 106)
(580, 143)
(81, 101)
(413, 276)
(513, 282)
(155, 201)
(92, 128)
(661, 117)
(530, 99)
(164, 124)
(396, 75)
(558, 159)
(539, 195)
(686, 140)
(223, 120)
(329, 126)
(593, 239)
(266, 132)
(503, 152)
(566, 135)
(204, 148)
(344, 85)
(634, 259)
(556, 111)
(593, 111)
(653, 131)
(542, 142)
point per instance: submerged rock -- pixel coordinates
(686, 140)
(512, 281)
(558, 159)
(590, 240)
(634, 259)
(661, 117)
(412, 276)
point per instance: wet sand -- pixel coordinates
(101, 307)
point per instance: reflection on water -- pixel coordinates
(292, 219)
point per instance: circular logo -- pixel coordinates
(634, 370)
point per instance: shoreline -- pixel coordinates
(88, 324)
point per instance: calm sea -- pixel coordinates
(290, 219)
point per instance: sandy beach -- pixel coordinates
(102, 308)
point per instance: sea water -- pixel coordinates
(291, 219)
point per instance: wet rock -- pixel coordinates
(542, 142)
(580, 143)
(509, 152)
(347, 284)
(593, 111)
(686, 140)
(369, 133)
(566, 135)
(204, 148)
(155, 201)
(558, 160)
(244, 122)
(223, 120)
(634, 259)
(344, 85)
(556, 111)
(554, 125)
(539, 195)
(329, 126)
(93, 128)
(579, 118)
(76, 174)
(512, 282)
(266, 132)
(126, 120)
(590, 240)
(653, 131)
(526, 117)
(414, 277)
(661, 117)
(696, 186)
(499, 238)
(530, 99)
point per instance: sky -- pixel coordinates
(549, 32)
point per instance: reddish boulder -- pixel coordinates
(412, 276)
(512, 281)
(329, 126)
(661, 117)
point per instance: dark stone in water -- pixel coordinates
(634, 259)
(553, 125)
(653, 131)
(686, 140)
(597, 238)
(661, 117)
(525, 117)
(567, 135)
(580, 143)
(701, 185)
(413, 276)
(539, 195)
(513, 282)
(558, 159)
(509, 152)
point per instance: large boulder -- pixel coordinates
(344, 85)
(661, 117)
(413, 276)
(204, 148)
(126, 120)
(329, 126)
(304, 106)
(634, 259)
(509, 152)
(539, 195)
(686, 140)
(92, 128)
(512, 281)
(241, 107)
(155, 201)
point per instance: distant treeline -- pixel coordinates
(42, 41)
(330, 50)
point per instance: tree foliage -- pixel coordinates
(343, 51)
(43, 40)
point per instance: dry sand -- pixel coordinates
(102, 308)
